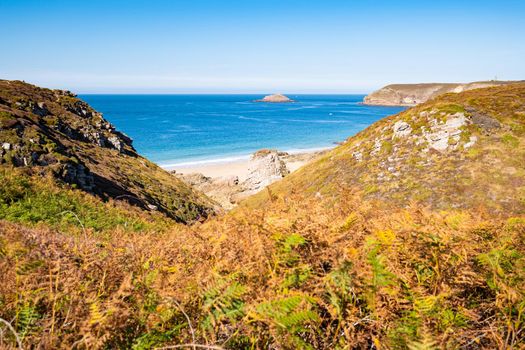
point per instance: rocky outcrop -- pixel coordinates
(227, 191)
(56, 133)
(266, 167)
(414, 94)
(38, 132)
(275, 98)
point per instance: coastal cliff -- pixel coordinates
(414, 94)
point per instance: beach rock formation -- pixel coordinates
(52, 132)
(226, 191)
(266, 167)
(414, 94)
(275, 98)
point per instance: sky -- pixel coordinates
(245, 46)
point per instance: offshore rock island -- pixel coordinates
(275, 98)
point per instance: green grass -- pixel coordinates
(451, 108)
(5, 117)
(34, 200)
(510, 140)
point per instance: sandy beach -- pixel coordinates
(229, 182)
(219, 169)
(240, 168)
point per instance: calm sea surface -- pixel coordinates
(182, 129)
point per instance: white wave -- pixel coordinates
(233, 159)
(303, 107)
(190, 163)
(319, 121)
(258, 119)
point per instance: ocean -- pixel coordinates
(174, 130)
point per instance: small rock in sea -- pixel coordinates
(275, 98)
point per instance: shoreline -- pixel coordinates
(239, 165)
(229, 182)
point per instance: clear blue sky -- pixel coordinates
(289, 46)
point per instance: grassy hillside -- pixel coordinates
(53, 132)
(458, 151)
(332, 257)
(41, 201)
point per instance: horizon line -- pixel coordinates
(219, 93)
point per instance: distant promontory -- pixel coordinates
(414, 94)
(275, 98)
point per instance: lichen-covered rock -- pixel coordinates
(401, 129)
(485, 122)
(78, 174)
(40, 109)
(116, 142)
(358, 155)
(441, 135)
(377, 147)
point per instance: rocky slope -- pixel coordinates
(414, 94)
(52, 131)
(457, 151)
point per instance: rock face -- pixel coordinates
(414, 94)
(267, 167)
(441, 136)
(276, 98)
(55, 133)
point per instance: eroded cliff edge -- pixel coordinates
(414, 94)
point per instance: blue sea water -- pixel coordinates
(188, 129)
